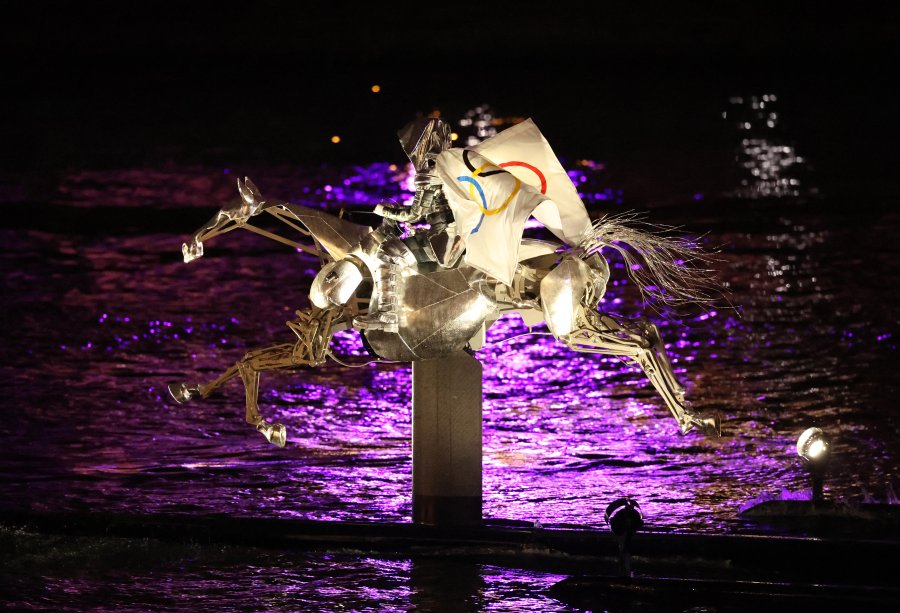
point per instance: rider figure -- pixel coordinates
(423, 140)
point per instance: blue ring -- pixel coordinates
(477, 185)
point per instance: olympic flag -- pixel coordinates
(494, 188)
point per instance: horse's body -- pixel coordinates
(441, 309)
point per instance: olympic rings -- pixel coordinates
(482, 172)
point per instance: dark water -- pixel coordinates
(76, 574)
(100, 313)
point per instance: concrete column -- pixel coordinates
(446, 441)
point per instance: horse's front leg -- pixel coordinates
(646, 334)
(642, 345)
(270, 358)
(182, 392)
(249, 367)
(314, 330)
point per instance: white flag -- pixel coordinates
(490, 207)
(523, 151)
(494, 188)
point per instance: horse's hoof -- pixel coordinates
(710, 424)
(274, 433)
(181, 393)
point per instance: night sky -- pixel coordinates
(111, 83)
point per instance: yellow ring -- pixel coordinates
(509, 198)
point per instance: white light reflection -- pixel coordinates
(482, 122)
(768, 164)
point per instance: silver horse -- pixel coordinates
(412, 301)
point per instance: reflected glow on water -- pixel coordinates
(100, 324)
(97, 324)
(769, 164)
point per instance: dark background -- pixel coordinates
(637, 85)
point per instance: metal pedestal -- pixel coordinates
(446, 441)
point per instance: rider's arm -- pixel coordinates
(396, 212)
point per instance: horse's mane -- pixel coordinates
(668, 268)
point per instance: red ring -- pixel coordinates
(532, 169)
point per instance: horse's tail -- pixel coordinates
(667, 268)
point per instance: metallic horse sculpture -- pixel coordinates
(412, 296)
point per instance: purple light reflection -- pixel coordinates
(115, 318)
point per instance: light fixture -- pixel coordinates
(814, 447)
(624, 518)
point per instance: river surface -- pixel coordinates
(100, 314)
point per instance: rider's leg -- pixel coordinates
(383, 314)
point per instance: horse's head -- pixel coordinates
(238, 211)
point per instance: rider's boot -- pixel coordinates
(383, 315)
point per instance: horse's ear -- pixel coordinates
(249, 191)
(251, 186)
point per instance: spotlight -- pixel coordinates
(624, 518)
(814, 447)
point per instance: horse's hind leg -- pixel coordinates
(642, 345)
(654, 354)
